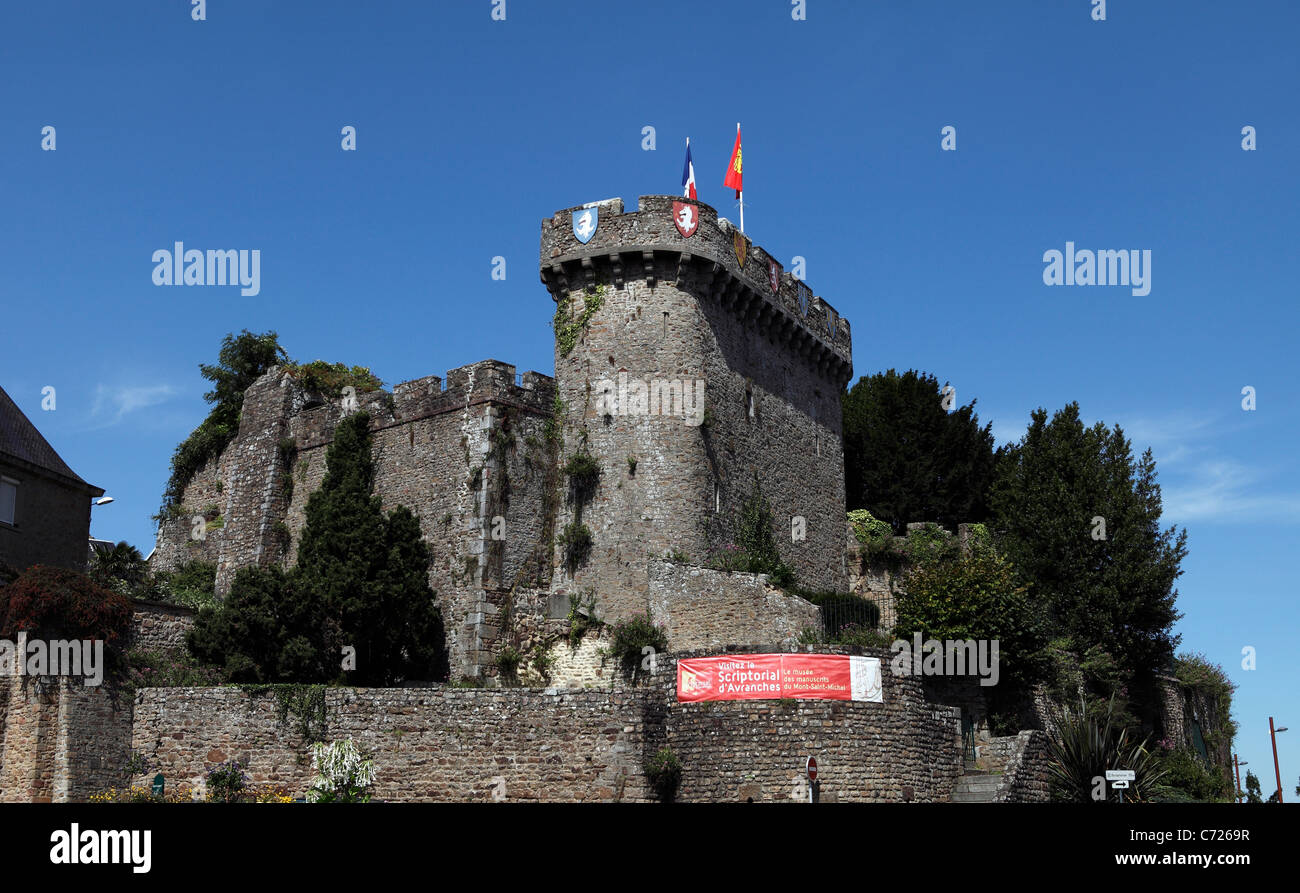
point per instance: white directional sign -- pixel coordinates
(1121, 775)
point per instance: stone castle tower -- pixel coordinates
(644, 315)
(654, 310)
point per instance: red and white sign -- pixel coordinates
(811, 768)
(738, 677)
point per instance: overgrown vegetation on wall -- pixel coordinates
(568, 326)
(360, 582)
(242, 360)
(752, 548)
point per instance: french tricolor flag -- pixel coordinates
(688, 173)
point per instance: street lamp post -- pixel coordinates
(1272, 734)
(1237, 765)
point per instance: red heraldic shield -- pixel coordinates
(774, 276)
(686, 217)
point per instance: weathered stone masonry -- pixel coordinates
(677, 308)
(437, 744)
(459, 456)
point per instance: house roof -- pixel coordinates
(20, 441)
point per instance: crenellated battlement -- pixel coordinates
(647, 244)
(487, 381)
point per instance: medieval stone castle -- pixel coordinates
(603, 490)
(649, 312)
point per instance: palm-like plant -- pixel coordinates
(123, 562)
(1085, 744)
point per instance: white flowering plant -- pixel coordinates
(343, 773)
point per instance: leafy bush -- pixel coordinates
(929, 544)
(330, 379)
(169, 668)
(226, 783)
(1187, 780)
(630, 638)
(867, 529)
(507, 662)
(583, 471)
(55, 603)
(267, 630)
(192, 585)
(344, 774)
(582, 616)
(576, 541)
(977, 596)
(664, 772)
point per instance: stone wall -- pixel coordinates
(438, 744)
(704, 608)
(429, 744)
(1023, 761)
(903, 749)
(60, 740)
(876, 580)
(156, 626)
(468, 458)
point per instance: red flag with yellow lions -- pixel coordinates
(734, 179)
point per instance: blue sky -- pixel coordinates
(1122, 134)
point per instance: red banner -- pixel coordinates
(836, 677)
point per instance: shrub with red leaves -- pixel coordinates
(54, 603)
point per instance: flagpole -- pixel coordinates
(741, 191)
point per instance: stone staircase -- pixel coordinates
(975, 785)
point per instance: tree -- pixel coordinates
(242, 360)
(370, 570)
(1252, 788)
(907, 458)
(121, 567)
(977, 596)
(267, 630)
(1080, 517)
(361, 581)
(54, 603)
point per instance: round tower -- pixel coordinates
(690, 370)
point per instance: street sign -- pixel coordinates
(1119, 785)
(1121, 775)
(811, 768)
